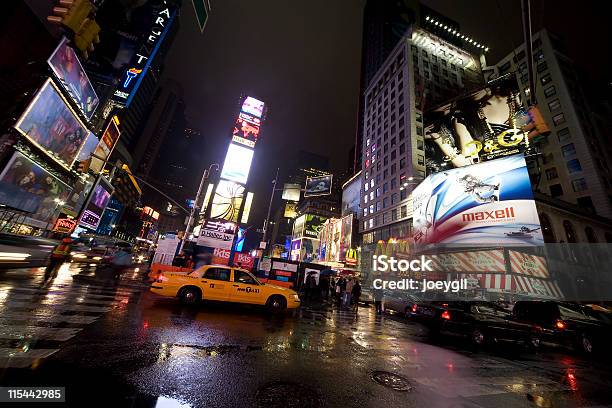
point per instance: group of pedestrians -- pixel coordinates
(347, 291)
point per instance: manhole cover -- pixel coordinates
(287, 395)
(390, 380)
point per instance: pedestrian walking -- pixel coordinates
(59, 255)
(120, 260)
(378, 297)
(311, 285)
(348, 292)
(356, 294)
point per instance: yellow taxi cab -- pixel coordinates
(224, 284)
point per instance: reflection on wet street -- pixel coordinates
(116, 343)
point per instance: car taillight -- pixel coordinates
(445, 315)
(161, 278)
(560, 324)
(414, 308)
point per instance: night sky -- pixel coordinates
(303, 60)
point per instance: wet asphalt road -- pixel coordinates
(120, 346)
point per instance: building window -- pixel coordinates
(371, 222)
(404, 211)
(385, 218)
(563, 135)
(547, 231)
(541, 67)
(393, 168)
(402, 163)
(556, 190)
(419, 130)
(558, 119)
(570, 234)
(402, 148)
(420, 160)
(393, 184)
(573, 166)
(551, 173)
(420, 145)
(403, 194)
(545, 79)
(579, 184)
(378, 206)
(371, 195)
(365, 212)
(385, 203)
(554, 105)
(394, 214)
(590, 234)
(393, 198)
(385, 187)
(365, 199)
(568, 150)
(550, 91)
(503, 68)
(377, 192)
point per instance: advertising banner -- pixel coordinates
(291, 192)
(240, 237)
(227, 201)
(67, 68)
(49, 123)
(246, 129)
(487, 203)
(313, 225)
(346, 236)
(290, 210)
(28, 187)
(237, 164)
(484, 125)
(469, 261)
(166, 249)
(64, 224)
(253, 106)
(528, 264)
(298, 226)
(88, 147)
(245, 261)
(97, 204)
(105, 146)
(217, 234)
(221, 256)
(247, 208)
(318, 186)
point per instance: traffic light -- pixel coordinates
(75, 16)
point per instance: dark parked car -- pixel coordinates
(566, 324)
(482, 322)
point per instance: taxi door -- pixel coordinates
(245, 288)
(215, 284)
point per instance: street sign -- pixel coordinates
(201, 12)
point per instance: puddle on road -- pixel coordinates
(283, 394)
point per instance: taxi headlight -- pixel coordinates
(79, 255)
(97, 258)
(295, 297)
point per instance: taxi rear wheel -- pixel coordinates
(276, 304)
(190, 295)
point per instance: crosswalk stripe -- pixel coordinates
(38, 333)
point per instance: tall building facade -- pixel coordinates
(423, 70)
(574, 165)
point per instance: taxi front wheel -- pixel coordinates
(190, 295)
(276, 304)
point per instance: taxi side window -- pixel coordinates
(217, 274)
(243, 277)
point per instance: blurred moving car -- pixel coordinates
(20, 250)
(224, 284)
(566, 324)
(84, 254)
(485, 322)
(400, 302)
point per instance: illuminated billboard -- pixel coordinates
(105, 146)
(291, 192)
(246, 129)
(97, 204)
(227, 201)
(484, 125)
(50, 124)
(141, 61)
(27, 186)
(67, 68)
(253, 106)
(317, 186)
(88, 147)
(486, 203)
(237, 164)
(290, 210)
(217, 234)
(247, 208)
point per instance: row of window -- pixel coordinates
(388, 216)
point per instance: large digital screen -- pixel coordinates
(485, 125)
(50, 124)
(105, 146)
(88, 147)
(217, 234)
(227, 201)
(28, 187)
(246, 129)
(291, 192)
(486, 203)
(316, 186)
(237, 164)
(253, 106)
(67, 68)
(97, 204)
(248, 202)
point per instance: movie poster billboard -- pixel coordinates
(253, 106)
(317, 186)
(484, 125)
(97, 204)
(246, 130)
(49, 123)
(486, 203)
(28, 187)
(88, 147)
(227, 201)
(105, 146)
(66, 66)
(346, 236)
(313, 225)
